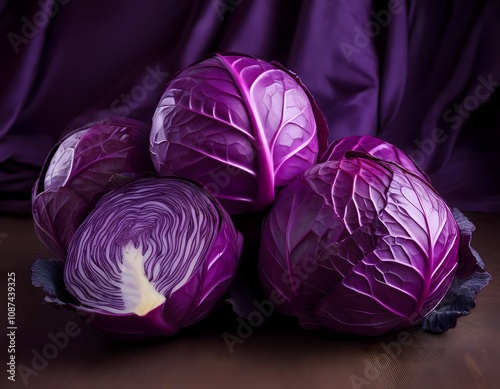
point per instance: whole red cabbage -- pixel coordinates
(241, 126)
(363, 246)
(77, 172)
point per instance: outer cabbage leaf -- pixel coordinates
(77, 171)
(240, 126)
(359, 246)
(153, 256)
(471, 277)
(375, 147)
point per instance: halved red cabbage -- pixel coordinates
(77, 171)
(153, 256)
(239, 125)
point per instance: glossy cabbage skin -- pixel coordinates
(241, 126)
(153, 256)
(77, 172)
(376, 148)
(359, 246)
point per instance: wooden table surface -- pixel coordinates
(54, 348)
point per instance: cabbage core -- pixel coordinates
(139, 246)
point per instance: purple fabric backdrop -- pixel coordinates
(421, 74)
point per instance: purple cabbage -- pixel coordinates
(154, 256)
(77, 172)
(241, 126)
(376, 148)
(471, 277)
(362, 246)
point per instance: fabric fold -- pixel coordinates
(422, 75)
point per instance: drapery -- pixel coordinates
(421, 74)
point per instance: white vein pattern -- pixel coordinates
(160, 237)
